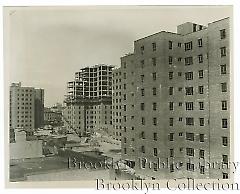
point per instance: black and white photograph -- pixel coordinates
(119, 93)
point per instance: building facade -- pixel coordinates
(52, 117)
(39, 108)
(117, 104)
(175, 94)
(26, 108)
(89, 100)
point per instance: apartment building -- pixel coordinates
(176, 94)
(89, 100)
(26, 108)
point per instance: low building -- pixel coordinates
(22, 148)
(52, 117)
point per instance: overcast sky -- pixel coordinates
(45, 46)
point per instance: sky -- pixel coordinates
(45, 46)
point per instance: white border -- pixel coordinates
(236, 55)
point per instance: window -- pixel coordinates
(142, 92)
(142, 49)
(154, 61)
(200, 89)
(200, 58)
(171, 137)
(179, 74)
(155, 166)
(180, 89)
(154, 90)
(224, 123)
(171, 153)
(199, 42)
(154, 106)
(142, 106)
(155, 136)
(188, 61)
(188, 46)
(224, 87)
(200, 73)
(170, 60)
(170, 75)
(189, 91)
(154, 46)
(224, 141)
(225, 159)
(189, 121)
(142, 149)
(155, 121)
(190, 151)
(142, 135)
(170, 44)
(180, 134)
(179, 59)
(190, 167)
(201, 106)
(143, 121)
(171, 167)
(223, 51)
(170, 105)
(225, 175)
(154, 76)
(201, 137)
(125, 150)
(142, 63)
(179, 44)
(142, 78)
(223, 69)
(189, 105)
(223, 34)
(170, 121)
(201, 121)
(201, 154)
(224, 105)
(189, 75)
(144, 161)
(202, 169)
(170, 90)
(155, 153)
(180, 104)
(190, 136)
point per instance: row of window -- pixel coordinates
(187, 46)
(188, 60)
(190, 90)
(190, 121)
(189, 75)
(23, 125)
(190, 105)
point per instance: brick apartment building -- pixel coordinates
(26, 108)
(175, 96)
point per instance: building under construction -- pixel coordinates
(89, 100)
